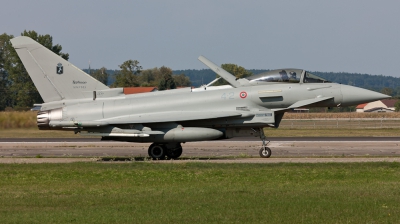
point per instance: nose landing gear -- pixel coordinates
(265, 152)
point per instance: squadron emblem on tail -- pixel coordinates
(60, 69)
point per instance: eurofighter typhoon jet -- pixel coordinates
(74, 101)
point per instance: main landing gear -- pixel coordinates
(158, 151)
(265, 152)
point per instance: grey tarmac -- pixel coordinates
(207, 151)
(285, 139)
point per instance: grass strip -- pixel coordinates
(145, 192)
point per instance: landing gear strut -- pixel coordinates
(265, 152)
(159, 151)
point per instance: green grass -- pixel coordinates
(144, 192)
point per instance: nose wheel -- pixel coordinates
(265, 152)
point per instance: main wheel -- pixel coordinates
(174, 153)
(265, 152)
(157, 151)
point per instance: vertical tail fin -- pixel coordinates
(55, 78)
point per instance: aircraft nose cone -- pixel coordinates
(354, 95)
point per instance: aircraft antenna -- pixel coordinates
(89, 67)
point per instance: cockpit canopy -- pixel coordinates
(286, 76)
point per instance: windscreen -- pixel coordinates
(310, 78)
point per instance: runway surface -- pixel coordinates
(241, 150)
(272, 139)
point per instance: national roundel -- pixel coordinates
(243, 94)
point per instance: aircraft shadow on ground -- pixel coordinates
(143, 158)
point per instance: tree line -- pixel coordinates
(385, 84)
(131, 74)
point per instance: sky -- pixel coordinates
(316, 35)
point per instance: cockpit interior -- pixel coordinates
(286, 76)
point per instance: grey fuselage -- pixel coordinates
(258, 98)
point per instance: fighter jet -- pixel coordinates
(75, 101)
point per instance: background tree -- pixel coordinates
(5, 100)
(150, 77)
(387, 91)
(153, 77)
(23, 92)
(236, 70)
(181, 80)
(127, 77)
(166, 82)
(101, 75)
(397, 106)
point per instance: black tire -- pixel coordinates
(157, 152)
(174, 153)
(265, 152)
